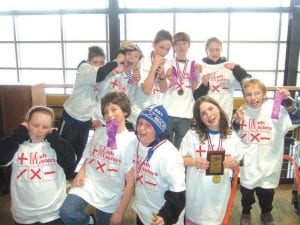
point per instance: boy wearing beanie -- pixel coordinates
(159, 171)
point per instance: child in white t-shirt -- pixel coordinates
(125, 79)
(106, 179)
(39, 160)
(184, 77)
(153, 82)
(263, 138)
(222, 75)
(207, 195)
(159, 171)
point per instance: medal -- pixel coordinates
(216, 179)
(180, 92)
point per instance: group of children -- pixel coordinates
(163, 167)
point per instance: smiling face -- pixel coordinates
(210, 115)
(39, 126)
(131, 59)
(145, 132)
(254, 96)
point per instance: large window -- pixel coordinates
(45, 42)
(48, 48)
(256, 41)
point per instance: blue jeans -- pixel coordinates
(177, 128)
(72, 212)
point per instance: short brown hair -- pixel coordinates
(181, 36)
(118, 98)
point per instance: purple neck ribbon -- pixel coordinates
(111, 131)
(193, 73)
(174, 76)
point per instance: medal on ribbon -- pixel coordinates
(178, 77)
(216, 179)
(180, 91)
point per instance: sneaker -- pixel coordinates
(267, 219)
(92, 219)
(245, 219)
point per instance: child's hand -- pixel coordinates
(201, 163)
(157, 220)
(229, 162)
(78, 181)
(285, 93)
(169, 74)
(205, 79)
(229, 66)
(136, 75)
(96, 124)
(158, 61)
(239, 114)
(198, 68)
(120, 58)
(116, 218)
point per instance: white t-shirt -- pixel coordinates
(106, 170)
(118, 83)
(180, 105)
(264, 144)
(206, 201)
(164, 171)
(81, 103)
(221, 85)
(156, 97)
(38, 184)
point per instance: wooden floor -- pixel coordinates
(283, 211)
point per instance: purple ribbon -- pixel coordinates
(276, 105)
(174, 76)
(111, 131)
(193, 72)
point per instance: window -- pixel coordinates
(43, 44)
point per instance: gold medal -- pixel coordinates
(216, 179)
(180, 92)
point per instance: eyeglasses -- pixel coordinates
(255, 94)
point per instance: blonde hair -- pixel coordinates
(252, 83)
(41, 109)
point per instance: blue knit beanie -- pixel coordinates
(157, 116)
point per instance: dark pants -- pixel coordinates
(265, 199)
(177, 128)
(54, 222)
(75, 134)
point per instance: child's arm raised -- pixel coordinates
(9, 145)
